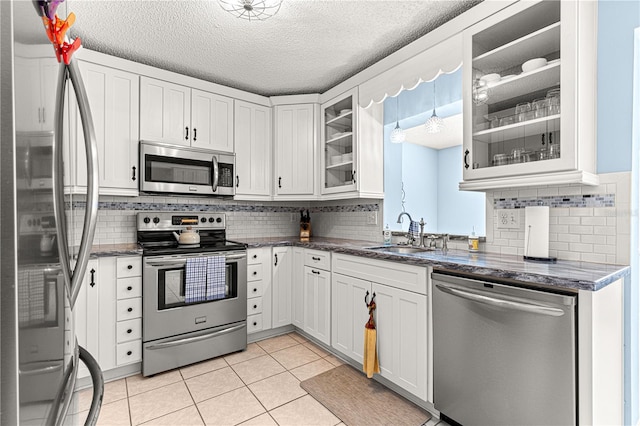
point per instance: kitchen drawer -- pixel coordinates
(129, 352)
(129, 330)
(255, 272)
(129, 287)
(254, 306)
(129, 309)
(318, 259)
(255, 256)
(128, 267)
(254, 289)
(254, 323)
(405, 277)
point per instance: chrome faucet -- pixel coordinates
(410, 238)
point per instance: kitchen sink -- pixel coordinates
(401, 249)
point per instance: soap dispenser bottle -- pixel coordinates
(474, 241)
(387, 235)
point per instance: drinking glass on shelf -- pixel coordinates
(540, 108)
(521, 111)
(495, 122)
(505, 121)
(554, 105)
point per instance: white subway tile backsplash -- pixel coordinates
(568, 220)
(581, 247)
(598, 221)
(581, 229)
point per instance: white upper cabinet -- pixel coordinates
(113, 99)
(529, 123)
(165, 112)
(352, 148)
(180, 115)
(211, 121)
(295, 148)
(36, 78)
(252, 129)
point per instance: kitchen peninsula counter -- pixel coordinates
(563, 275)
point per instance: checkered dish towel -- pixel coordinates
(196, 280)
(216, 277)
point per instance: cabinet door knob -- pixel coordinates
(186, 133)
(129, 353)
(255, 290)
(255, 256)
(194, 134)
(255, 323)
(129, 266)
(133, 175)
(255, 306)
(315, 258)
(466, 158)
(129, 288)
(255, 272)
(129, 309)
(129, 331)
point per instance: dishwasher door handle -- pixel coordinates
(502, 303)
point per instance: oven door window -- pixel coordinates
(172, 287)
(178, 170)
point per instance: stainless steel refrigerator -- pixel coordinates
(40, 270)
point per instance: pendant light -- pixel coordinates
(434, 124)
(398, 135)
(251, 10)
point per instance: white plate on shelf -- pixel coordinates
(489, 78)
(344, 111)
(509, 77)
(534, 64)
(555, 61)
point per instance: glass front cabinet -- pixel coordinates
(352, 148)
(529, 87)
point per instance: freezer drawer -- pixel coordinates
(503, 355)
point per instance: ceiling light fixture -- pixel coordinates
(398, 135)
(434, 124)
(251, 10)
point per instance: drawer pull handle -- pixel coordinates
(129, 266)
(315, 272)
(129, 331)
(129, 288)
(129, 309)
(255, 256)
(255, 306)
(255, 290)
(255, 323)
(315, 258)
(129, 353)
(255, 272)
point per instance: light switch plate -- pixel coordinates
(508, 219)
(372, 218)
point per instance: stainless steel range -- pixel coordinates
(194, 295)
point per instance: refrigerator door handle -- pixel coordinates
(480, 297)
(65, 394)
(73, 280)
(98, 386)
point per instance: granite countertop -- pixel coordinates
(105, 250)
(564, 275)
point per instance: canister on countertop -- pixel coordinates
(474, 241)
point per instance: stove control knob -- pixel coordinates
(211, 219)
(156, 220)
(146, 220)
(219, 220)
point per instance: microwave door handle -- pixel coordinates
(215, 173)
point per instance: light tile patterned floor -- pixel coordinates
(259, 386)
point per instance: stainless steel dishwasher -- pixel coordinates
(503, 355)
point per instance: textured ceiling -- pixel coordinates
(308, 47)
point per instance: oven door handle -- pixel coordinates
(215, 173)
(196, 338)
(177, 262)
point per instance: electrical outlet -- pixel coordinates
(372, 218)
(509, 219)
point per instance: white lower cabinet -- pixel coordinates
(281, 285)
(258, 290)
(108, 312)
(349, 315)
(317, 303)
(401, 317)
(297, 288)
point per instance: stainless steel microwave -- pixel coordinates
(177, 169)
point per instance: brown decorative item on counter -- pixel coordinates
(305, 225)
(370, 356)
